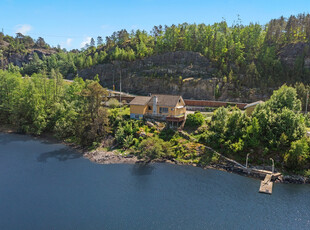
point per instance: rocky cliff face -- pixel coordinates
(180, 63)
(20, 59)
(183, 72)
(188, 74)
(291, 52)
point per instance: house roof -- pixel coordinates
(253, 104)
(165, 100)
(162, 100)
(140, 100)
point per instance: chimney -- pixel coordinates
(154, 105)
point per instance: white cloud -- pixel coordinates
(68, 42)
(23, 29)
(85, 41)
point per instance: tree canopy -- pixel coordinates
(246, 55)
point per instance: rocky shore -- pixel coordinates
(110, 157)
(114, 157)
(260, 174)
(101, 156)
(7, 129)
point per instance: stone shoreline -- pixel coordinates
(259, 174)
(112, 157)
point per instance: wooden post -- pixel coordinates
(272, 165)
(247, 158)
(307, 102)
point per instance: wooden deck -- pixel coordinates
(266, 185)
(175, 118)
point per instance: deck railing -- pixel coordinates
(162, 117)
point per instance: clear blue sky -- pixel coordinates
(72, 22)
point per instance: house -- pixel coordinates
(249, 108)
(158, 107)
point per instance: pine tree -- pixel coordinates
(99, 41)
(92, 42)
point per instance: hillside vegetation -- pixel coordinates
(251, 55)
(73, 111)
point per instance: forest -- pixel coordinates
(79, 112)
(35, 99)
(39, 104)
(246, 55)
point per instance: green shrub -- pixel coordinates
(307, 173)
(215, 158)
(194, 120)
(125, 133)
(298, 154)
(253, 134)
(128, 141)
(113, 103)
(209, 109)
(167, 134)
(237, 146)
(285, 97)
(154, 147)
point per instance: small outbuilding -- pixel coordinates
(249, 108)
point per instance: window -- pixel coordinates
(163, 110)
(150, 108)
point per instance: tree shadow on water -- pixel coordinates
(7, 138)
(61, 155)
(142, 169)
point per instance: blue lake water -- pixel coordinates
(44, 185)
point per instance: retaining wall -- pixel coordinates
(204, 103)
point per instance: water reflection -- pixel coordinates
(63, 154)
(6, 139)
(142, 169)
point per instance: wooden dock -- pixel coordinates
(266, 185)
